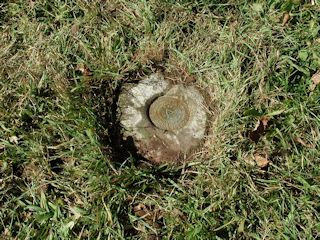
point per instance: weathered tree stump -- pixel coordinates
(166, 121)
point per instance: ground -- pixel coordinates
(64, 173)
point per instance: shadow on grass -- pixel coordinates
(118, 149)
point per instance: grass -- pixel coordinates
(62, 174)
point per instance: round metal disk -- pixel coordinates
(169, 113)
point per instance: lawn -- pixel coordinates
(64, 173)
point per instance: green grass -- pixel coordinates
(58, 179)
